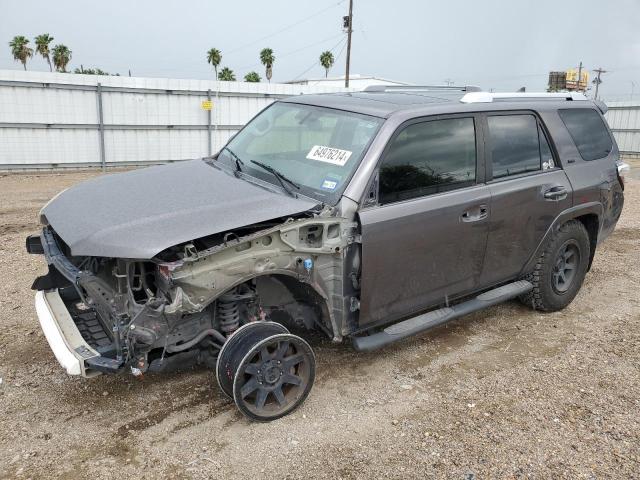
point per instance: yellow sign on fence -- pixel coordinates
(206, 104)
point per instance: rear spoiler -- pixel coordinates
(601, 106)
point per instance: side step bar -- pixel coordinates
(432, 319)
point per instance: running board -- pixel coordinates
(432, 319)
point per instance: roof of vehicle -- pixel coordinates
(384, 102)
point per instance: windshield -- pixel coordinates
(317, 148)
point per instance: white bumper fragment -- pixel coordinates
(62, 334)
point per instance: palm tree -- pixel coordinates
(61, 57)
(214, 57)
(42, 47)
(20, 49)
(227, 75)
(267, 58)
(252, 77)
(326, 60)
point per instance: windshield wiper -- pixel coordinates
(235, 157)
(279, 176)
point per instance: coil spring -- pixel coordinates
(228, 313)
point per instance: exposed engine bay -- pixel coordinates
(178, 308)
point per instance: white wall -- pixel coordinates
(357, 82)
(40, 118)
(624, 120)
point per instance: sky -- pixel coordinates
(496, 44)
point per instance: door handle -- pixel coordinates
(479, 212)
(556, 193)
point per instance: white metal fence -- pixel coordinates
(57, 119)
(624, 119)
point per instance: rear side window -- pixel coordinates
(588, 131)
(517, 145)
(427, 158)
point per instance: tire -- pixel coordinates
(235, 348)
(274, 377)
(556, 281)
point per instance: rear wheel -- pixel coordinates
(560, 269)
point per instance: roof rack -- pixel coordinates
(421, 88)
(488, 97)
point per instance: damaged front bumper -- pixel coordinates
(65, 340)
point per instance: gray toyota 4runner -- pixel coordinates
(371, 216)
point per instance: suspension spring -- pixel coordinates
(228, 313)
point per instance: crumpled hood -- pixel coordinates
(138, 214)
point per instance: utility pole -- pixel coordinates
(448, 82)
(597, 80)
(349, 24)
(579, 77)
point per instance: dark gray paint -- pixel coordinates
(418, 252)
(520, 217)
(417, 255)
(138, 214)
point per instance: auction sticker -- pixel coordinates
(334, 156)
(329, 184)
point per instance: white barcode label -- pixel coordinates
(334, 156)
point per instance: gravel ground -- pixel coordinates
(504, 393)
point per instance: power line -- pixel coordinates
(284, 55)
(284, 29)
(316, 62)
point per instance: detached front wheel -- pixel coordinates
(274, 377)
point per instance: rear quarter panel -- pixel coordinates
(591, 181)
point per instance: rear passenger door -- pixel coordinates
(423, 240)
(528, 190)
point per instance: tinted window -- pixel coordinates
(515, 144)
(427, 158)
(588, 132)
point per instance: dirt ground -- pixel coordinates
(504, 393)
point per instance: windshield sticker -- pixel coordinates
(329, 184)
(334, 156)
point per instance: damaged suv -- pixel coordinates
(371, 216)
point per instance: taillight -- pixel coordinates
(623, 168)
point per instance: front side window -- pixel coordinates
(429, 157)
(317, 148)
(588, 131)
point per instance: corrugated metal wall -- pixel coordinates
(49, 119)
(624, 119)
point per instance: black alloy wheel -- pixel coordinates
(274, 377)
(236, 347)
(565, 266)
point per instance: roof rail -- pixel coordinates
(421, 88)
(488, 97)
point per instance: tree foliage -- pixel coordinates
(42, 47)
(92, 71)
(61, 57)
(214, 57)
(20, 49)
(267, 58)
(252, 77)
(326, 60)
(227, 75)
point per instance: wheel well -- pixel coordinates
(592, 224)
(283, 290)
